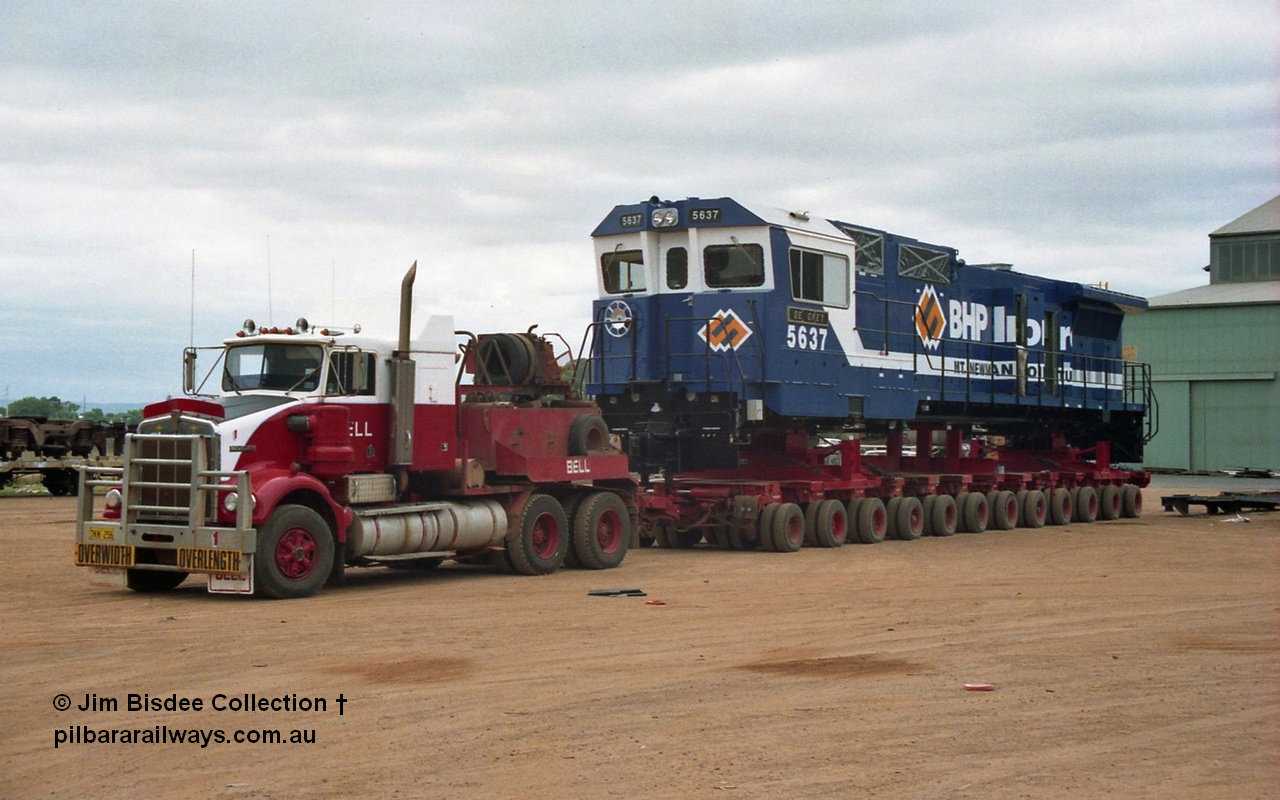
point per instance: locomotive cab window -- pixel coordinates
(677, 268)
(819, 277)
(729, 265)
(623, 271)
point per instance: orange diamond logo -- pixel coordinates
(725, 331)
(930, 321)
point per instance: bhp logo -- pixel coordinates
(725, 331)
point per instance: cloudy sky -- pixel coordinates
(308, 152)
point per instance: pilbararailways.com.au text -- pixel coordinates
(146, 703)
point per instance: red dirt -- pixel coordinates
(1135, 658)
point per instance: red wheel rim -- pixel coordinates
(546, 536)
(609, 532)
(839, 527)
(296, 553)
(950, 516)
(879, 521)
(795, 529)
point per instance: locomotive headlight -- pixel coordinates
(113, 498)
(665, 217)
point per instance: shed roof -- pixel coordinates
(1220, 294)
(1263, 219)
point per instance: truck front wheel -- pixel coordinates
(151, 581)
(295, 553)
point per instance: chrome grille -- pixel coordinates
(164, 473)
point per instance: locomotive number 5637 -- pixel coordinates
(806, 337)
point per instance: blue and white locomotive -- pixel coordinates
(718, 323)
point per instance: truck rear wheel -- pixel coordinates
(601, 531)
(149, 581)
(538, 538)
(295, 553)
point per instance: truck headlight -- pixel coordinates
(232, 499)
(113, 499)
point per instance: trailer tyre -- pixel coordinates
(1109, 502)
(831, 525)
(1085, 502)
(908, 518)
(872, 520)
(787, 528)
(150, 582)
(1059, 506)
(736, 538)
(295, 553)
(810, 523)
(764, 528)
(539, 537)
(1131, 501)
(1004, 511)
(601, 531)
(941, 516)
(1035, 510)
(975, 512)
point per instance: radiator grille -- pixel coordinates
(165, 476)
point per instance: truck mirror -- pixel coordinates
(189, 370)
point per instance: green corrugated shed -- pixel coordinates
(1215, 355)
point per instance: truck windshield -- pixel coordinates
(283, 367)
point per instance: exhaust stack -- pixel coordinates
(403, 373)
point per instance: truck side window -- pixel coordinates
(342, 373)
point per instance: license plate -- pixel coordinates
(232, 582)
(101, 533)
(210, 559)
(104, 555)
(108, 578)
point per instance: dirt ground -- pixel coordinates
(1133, 659)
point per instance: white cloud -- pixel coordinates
(1092, 140)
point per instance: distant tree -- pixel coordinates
(50, 407)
